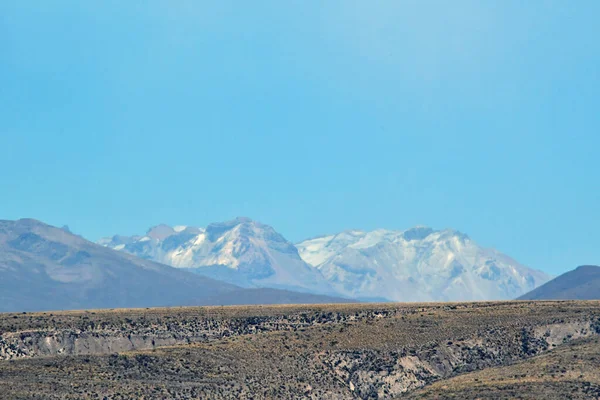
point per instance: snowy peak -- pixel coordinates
(316, 251)
(417, 233)
(245, 229)
(243, 243)
(160, 232)
(240, 251)
(418, 264)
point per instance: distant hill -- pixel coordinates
(47, 268)
(582, 283)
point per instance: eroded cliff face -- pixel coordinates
(381, 374)
(93, 334)
(356, 351)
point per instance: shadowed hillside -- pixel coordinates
(582, 283)
(47, 268)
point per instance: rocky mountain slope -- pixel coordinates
(242, 252)
(582, 283)
(47, 268)
(418, 264)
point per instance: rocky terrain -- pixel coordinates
(320, 352)
(567, 372)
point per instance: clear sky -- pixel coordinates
(310, 116)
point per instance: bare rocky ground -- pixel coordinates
(319, 352)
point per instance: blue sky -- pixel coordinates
(311, 116)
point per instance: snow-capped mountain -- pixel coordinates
(242, 251)
(418, 264)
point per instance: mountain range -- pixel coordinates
(246, 262)
(242, 252)
(48, 268)
(419, 264)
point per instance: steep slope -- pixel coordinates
(582, 283)
(419, 264)
(46, 268)
(43, 267)
(242, 252)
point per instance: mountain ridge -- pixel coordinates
(47, 268)
(427, 264)
(417, 264)
(582, 283)
(240, 251)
